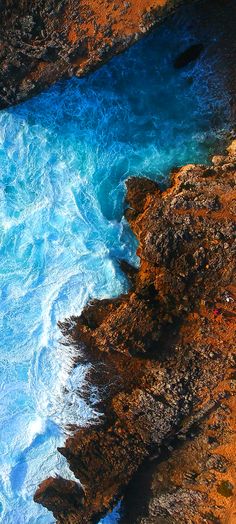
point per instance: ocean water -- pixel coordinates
(64, 159)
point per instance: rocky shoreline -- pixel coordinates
(167, 352)
(44, 41)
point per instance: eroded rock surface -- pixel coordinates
(44, 40)
(166, 351)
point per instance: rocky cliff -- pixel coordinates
(166, 351)
(44, 40)
(164, 354)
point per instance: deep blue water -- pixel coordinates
(64, 157)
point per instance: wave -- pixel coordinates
(64, 159)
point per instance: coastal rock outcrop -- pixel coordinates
(42, 42)
(166, 352)
(45, 40)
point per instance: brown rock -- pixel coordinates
(60, 495)
(44, 40)
(166, 351)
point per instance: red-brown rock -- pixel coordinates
(166, 351)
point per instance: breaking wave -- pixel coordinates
(64, 159)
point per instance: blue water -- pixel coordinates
(64, 157)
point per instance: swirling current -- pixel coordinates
(64, 159)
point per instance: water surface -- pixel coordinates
(64, 157)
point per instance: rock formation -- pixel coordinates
(166, 351)
(44, 40)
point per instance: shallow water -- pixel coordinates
(64, 157)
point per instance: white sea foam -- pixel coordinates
(64, 158)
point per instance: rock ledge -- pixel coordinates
(167, 352)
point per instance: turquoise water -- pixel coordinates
(64, 157)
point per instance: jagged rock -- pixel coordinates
(43, 41)
(166, 351)
(61, 495)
